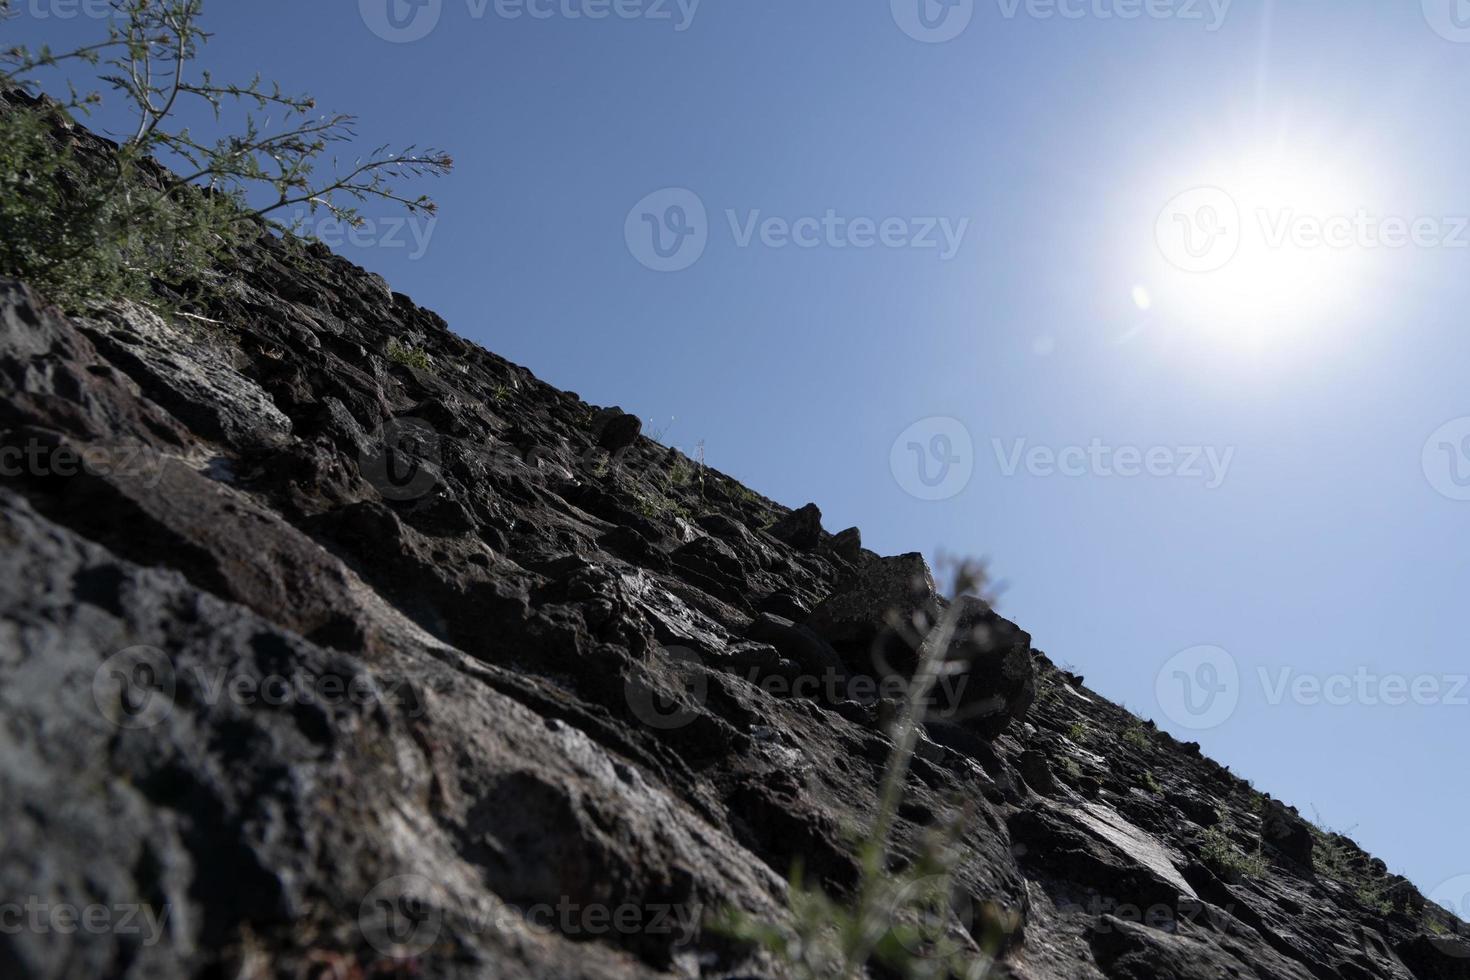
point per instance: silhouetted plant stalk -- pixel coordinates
(829, 940)
(933, 663)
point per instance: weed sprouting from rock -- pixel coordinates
(1221, 853)
(910, 920)
(409, 356)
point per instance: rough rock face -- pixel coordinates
(319, 660)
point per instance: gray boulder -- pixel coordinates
(876, 618)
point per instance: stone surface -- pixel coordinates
(864, 605)
(331, 666)
(1286, 834)
(802, 528)
(620, 431)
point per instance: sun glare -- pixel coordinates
(1268, 245)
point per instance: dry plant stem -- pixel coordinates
(905, 735)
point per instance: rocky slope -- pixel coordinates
(336, 646)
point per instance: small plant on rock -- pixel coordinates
(681, 474)
(1219, 851)
(1374, 897)
(408, 356)
(908, 919)
(1137, 737)
(1332, 853)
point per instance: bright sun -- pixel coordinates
(1266, 245)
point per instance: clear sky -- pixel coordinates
(1220, 248)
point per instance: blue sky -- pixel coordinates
(1174, 371)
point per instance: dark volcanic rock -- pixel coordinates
(996, 655)
(813, 654)
(848, 544)
(330, 666)
(1287, 834)
(619, 431)
(858, 613)
(802, 528)
(876, 618)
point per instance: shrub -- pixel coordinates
(1137, 737)
(400, 353)
(85, 225)
(1375, 897)
(1220, 851)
